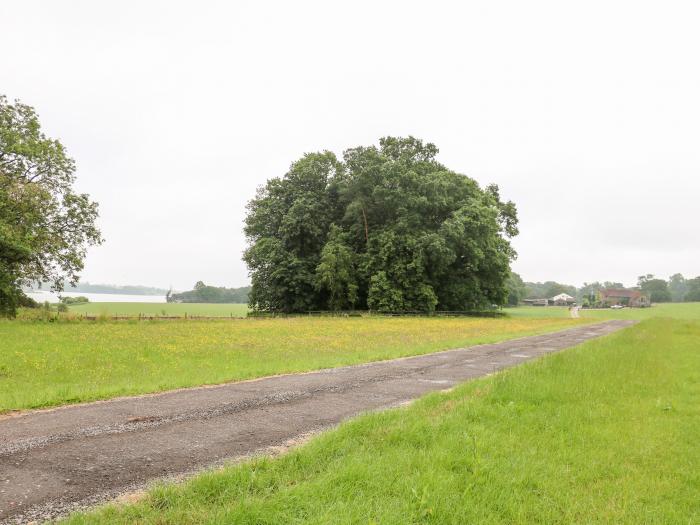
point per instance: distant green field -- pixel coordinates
(538, 312)
(675, 310)
(671, 310)
(205, 309)
(606, 432)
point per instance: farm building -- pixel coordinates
(622, 297)
(536, 302)
(563, 299)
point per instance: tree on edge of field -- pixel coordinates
(388, 228)
(516, 289)
(678, 287)
(45, 226)
(656, 289)
(693, 294)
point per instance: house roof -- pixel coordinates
(562, 297)
(620, 292)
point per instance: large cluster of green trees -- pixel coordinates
(386, 228)
(210, 294)
(45, 226)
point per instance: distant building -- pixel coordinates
(536, 302)
(563, 299)
(623, 297)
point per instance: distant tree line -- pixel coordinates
(74, 300)
(386, 228)
(210, 294)
(682, 289)
(676, 289)
(518, 290)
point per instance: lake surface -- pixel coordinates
(44, 295)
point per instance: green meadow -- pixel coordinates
(53, 363)
(606, 432)
(670, 310)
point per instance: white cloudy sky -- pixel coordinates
(587, 114)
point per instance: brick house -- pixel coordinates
(615, 296)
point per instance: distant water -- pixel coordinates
(44, 295)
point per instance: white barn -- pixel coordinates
(563, 299)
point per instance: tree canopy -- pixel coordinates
(656, 289)
(45, 226)
(386, 228)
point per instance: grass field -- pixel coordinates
(604, 433)
(670, 310)
(46, 364)
(203, 309)
(675, 310)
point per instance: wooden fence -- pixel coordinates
(269, 315)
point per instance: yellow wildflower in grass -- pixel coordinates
(46, 364)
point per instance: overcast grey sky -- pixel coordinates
(586, 114)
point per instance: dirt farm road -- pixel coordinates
(54, 461)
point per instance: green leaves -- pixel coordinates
(45, 227)
(388, 229)
(336, 273)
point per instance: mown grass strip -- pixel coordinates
(607, 432)
(48, 364)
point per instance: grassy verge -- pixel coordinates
(46, 364)
(603, 433)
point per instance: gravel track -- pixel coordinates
(58, 460)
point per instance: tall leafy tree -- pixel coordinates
(287, 226)
(45, 226)
(387, 228)
(656, 289)
(678, 287)
(693, 293)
